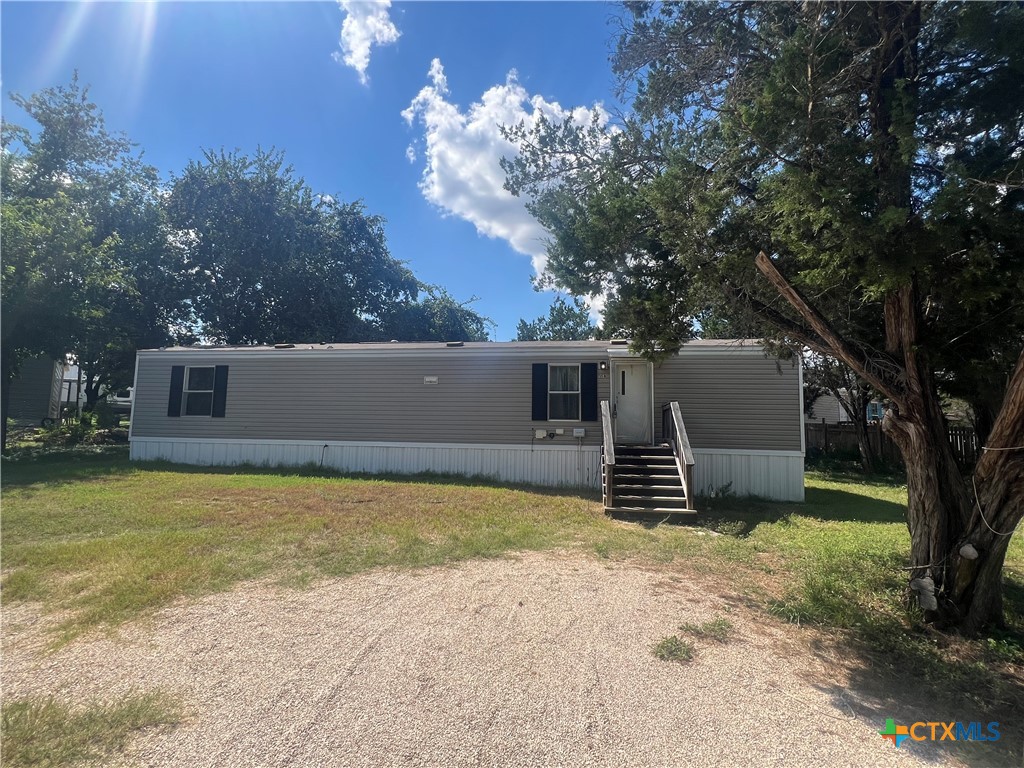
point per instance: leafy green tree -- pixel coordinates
(565, 321)
(53, 260)
(84, 244)
(49, 263)
(155, 310)
(275, 262)
(872, 152)
(435, 316)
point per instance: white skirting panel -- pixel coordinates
(548, 465)
(777, 475)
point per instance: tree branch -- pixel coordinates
(780, 321)
(836, 345)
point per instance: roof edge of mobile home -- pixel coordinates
(497, 347)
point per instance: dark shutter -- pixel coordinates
(220, 390)
(540, 391)
(177, 384)
(588, 392)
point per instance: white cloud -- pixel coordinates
(595, 307)
(463, 149)
(410, 153)
(366, 24)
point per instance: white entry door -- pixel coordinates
(631, 398)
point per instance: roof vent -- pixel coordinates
(284, 346)
(620, 342)
(454, 344)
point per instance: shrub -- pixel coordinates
(104, 415)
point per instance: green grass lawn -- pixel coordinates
(100, 541)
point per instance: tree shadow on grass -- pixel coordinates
(60, 466)
(83, 464)
(736, 516)
(917, 676)
(902, 669)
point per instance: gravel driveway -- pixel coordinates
(536, 660)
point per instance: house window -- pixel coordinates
(199, 391)
(563, 392)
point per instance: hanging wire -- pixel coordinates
(977, 500)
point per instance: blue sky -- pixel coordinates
(396, 105)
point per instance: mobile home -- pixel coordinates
(716, 415)
(35, 396)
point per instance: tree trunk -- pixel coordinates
(997, 511)
(944, 510)
(937, 507)
(92, 392)
(855, 405)
(858, 409)
(6, 377)
(957, 585)
(867, 453)
(983, 416)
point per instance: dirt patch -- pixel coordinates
(536, 660)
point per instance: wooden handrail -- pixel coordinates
(609, 454)
(684, 440)
(609, 438)
(673, 429)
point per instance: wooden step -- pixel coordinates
(644, 462)
(651, 503)
(643, 452)
(626, 487)
(642, 473)
(647, 482)
(647, 488)
(642, 511)
(663, 500)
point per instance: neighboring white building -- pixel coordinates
(828, 409)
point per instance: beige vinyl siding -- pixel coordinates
(738, 400)
(33, 394)
(481, 398)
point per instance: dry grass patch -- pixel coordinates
(109, 546)
(45, 733)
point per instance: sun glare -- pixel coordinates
(140, 23)
(62, 41)
(135, 24)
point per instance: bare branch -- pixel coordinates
(835, 344)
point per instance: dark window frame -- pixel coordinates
(578, 392)
(186, 392)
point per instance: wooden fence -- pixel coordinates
(831, 439)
